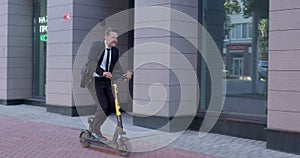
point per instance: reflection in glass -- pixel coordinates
(39, 47)
(238, 61)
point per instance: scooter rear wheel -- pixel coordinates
(125, 148)
(84, 135)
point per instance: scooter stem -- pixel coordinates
(117, 105)
(115, 86)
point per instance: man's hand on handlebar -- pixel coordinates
(107, 75)
(128, 75)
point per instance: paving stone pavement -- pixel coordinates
(59, 138)
(24, 139)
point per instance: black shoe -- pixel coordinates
(100, 137)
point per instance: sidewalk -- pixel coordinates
(30, 131)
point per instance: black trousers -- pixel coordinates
(104, 99)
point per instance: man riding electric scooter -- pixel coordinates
(102, 58)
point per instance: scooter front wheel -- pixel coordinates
(84, 136)
(125, 148)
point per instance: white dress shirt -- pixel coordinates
(102, 66)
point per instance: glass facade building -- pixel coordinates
(40, 41)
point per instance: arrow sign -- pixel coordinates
(66, 17)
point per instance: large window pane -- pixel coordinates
(244, 95)
(39, 47)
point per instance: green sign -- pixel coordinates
(43, 28)
(43, 38)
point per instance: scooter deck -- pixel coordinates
(106, 144)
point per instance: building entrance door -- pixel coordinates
(237, 67)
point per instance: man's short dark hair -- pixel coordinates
(109, 30)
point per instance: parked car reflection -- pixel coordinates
(262, 70)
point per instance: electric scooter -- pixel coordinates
(118, 142)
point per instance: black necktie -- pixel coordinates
(107, 60)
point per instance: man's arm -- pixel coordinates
(94, 56)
